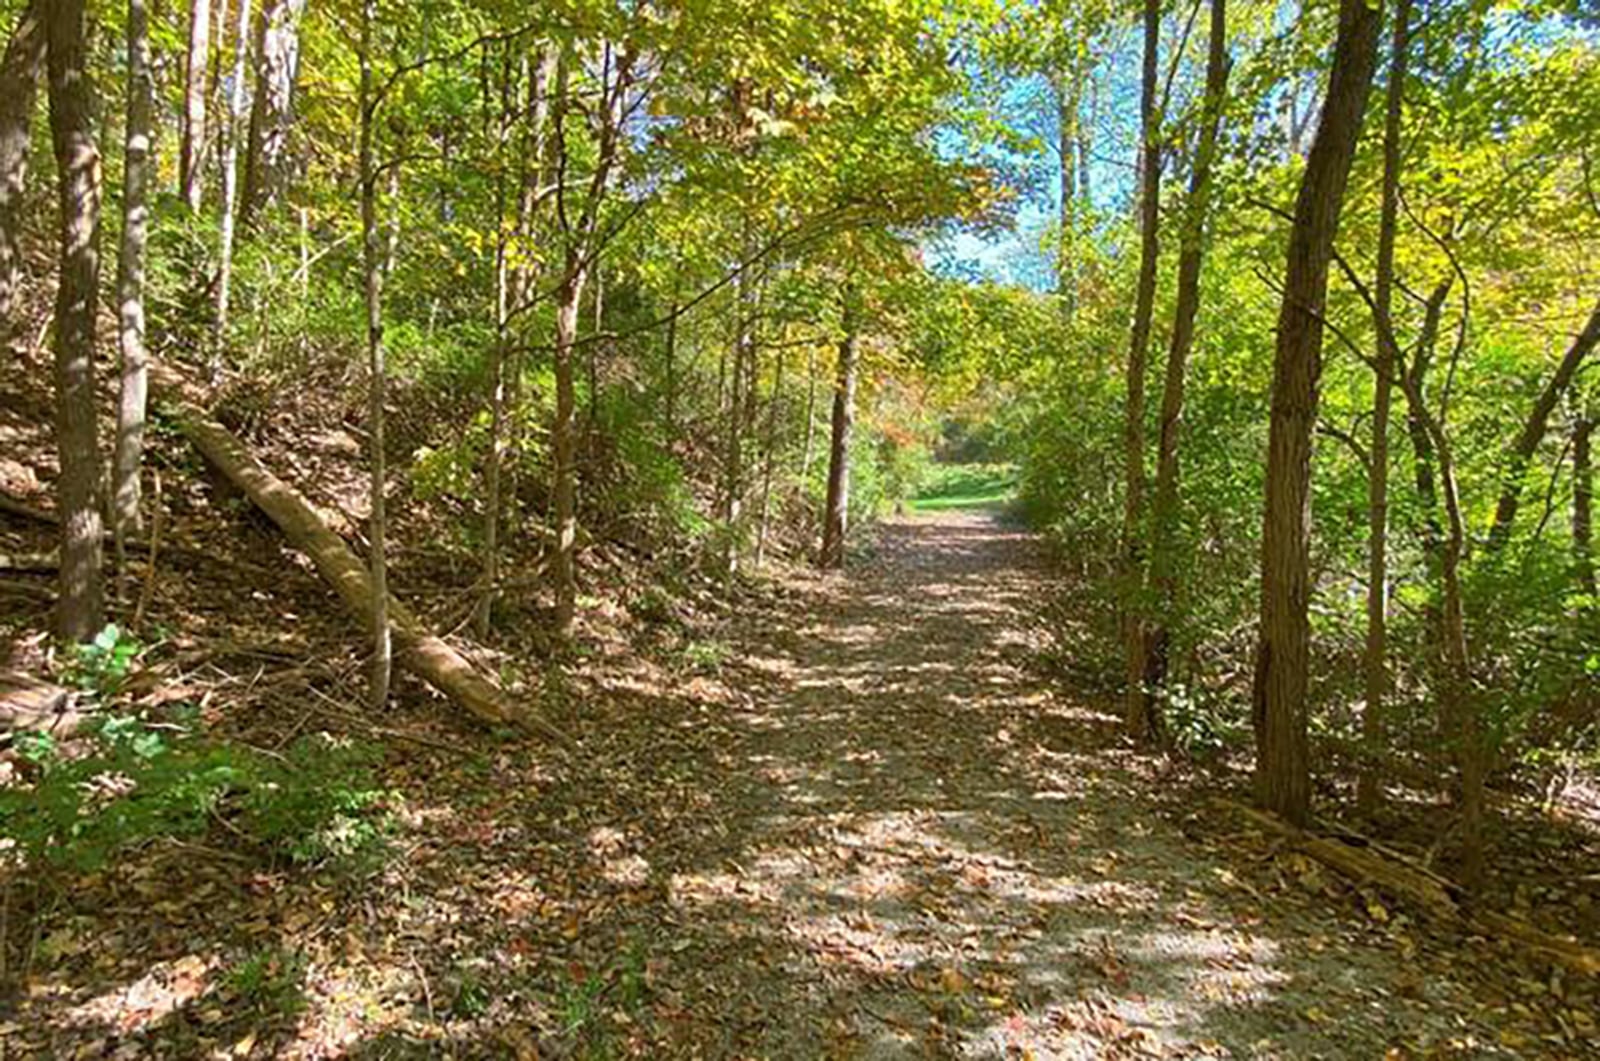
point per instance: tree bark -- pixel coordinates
(1375, 664)
(372, 269)
(129, 447)
(1282, 779)
(563, 446)
(230, 192)
(19, 81)
(836, 511)
(1140, 723)
(192, 152)
(81, 605)
(267, 163)
(1164, 511)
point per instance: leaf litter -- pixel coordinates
(868, 823)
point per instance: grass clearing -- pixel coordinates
(955, 486)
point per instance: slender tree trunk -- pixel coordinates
(580, 236)
(808, 450)
(1583, 500)
(563, 445)
(742, 400)
(230, 191)
(192, 152)
(78, 192)
(1432, 533)
(129, 448)
(19, 80)
(377, 376)
(769, 461)
(267, 160)
(597, 296)
(1282, 778)
(1069, 92)
(492, 501)
(672, 363)
(1140, 723)
(836, 512)
(1375, 665)
(1164, 511)
(484, 612)
(1086, 125)
(1458, 708)
(1534, 427)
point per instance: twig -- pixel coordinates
(148, 591)
(427, 991)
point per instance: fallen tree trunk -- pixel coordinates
(1432, 894)
(420, 651)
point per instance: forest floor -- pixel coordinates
(861, 820)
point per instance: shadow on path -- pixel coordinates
(952, 860)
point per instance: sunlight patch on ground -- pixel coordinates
(163, 990)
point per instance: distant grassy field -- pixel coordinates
(951, 486)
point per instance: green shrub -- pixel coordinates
(129, 782)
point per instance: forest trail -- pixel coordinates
(937, 855)
(860, 821)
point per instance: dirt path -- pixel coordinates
(932, 854)
(859, 822)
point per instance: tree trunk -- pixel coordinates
(129, 446)
(1375, 664)
(1458, 708)
(811, 417)
(372, 269)
(1140, 723)
(1282, 779)
(267, 162)
(1533, 430)
(768, 461)
(836, 512)
(483, 613)
(1164, 505)
(1583, 501)
(580, 233)
(563, 445)
(1068, 88)
(78, 186)
(19, 81)
(230, 191)
(192, 152)
(742, 401)
(1086, 126)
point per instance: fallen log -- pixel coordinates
(418, 649)
(1424, 890)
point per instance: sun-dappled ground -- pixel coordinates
(861, 821)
